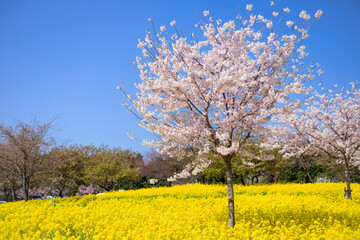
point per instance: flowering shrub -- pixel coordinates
(32, 191)
(153, 181)
(280, 211)
(84, 190)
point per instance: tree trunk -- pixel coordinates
(278, 177)
(25, 180)
(229, 181)
(348, 180)
(242, 180)
(308, 174)
(13, 195)
(271, 178)
(6, 194)
(26, 189)
(7, 197)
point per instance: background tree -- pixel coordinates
(8, 185)
(106, 167)
(84, 190)
(274, 167)
(214, 93)
(329, 125)
(27, 146)
(215, 172)
(9, 178)
(299, 172)
(309, 165)
(9, 182)
(161, 166)
(63, 176)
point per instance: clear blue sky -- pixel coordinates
(64, 58)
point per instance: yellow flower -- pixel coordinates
(279, 211)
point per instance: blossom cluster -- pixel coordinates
(212, 95)
(328, 124)
(84, 190)
(32, 191)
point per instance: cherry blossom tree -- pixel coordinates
(214, 91)
(329, 125)
(84, 190)
(31, 192)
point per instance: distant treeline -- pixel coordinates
(30, 165)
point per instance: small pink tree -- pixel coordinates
(215, 93)
(329, 125)
(31, 192)
(84, 190)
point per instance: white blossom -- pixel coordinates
(287, 10)
(249, 7)
(269, 25)
(153, 181)
(328, 125)
(210, 93)
(304, 15)
(318, 14)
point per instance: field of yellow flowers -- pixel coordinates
(279, 211)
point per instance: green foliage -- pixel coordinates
(297, 174)
(105, 167)
(100, 167)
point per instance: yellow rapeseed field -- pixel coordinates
(279, 211)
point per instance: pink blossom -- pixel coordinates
(269, 25)
(304, 35)
(318, 14)
(173, 23)
(162, 28)
(31, 191)
(249, 7)
(303, 54)
(287, 10)
(166, 92)
(304, 15)
(141, 44)
(83, 190)
(327, 126)
(215, 96)
(289, 23)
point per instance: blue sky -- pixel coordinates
(64, 58)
